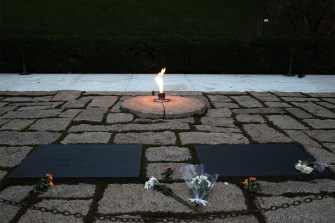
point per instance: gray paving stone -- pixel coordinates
(103, 101)
(259, 111)
(167, 153)
(264, 134)
(73, 206)
(183, 93)
(87, 137)
(225, 105)
(224, 122)
(37, 107)
(12, 156)
(212, 138)
(299, 99)
(297, 112)
(326, 104)
(285, 122)
(247, 101)
(148, 138)
(2, 104)
(321, 124)
(121, 221)
(186, 120)
(277, 104)
(225, 93)
(17, 99)
(70, 191)
(219, 98)
(302, 138)
(245, 118)
(33, 114)
(330, 146)
(316, 211)
(80, 103)
(315, 109)
(322, 95)
(51, 124)
(218, 113)
(117, 93)
(314, 186)
(322, 135)
(116, 107)
(17, 124)
(264, 96)
(66, 96)
(156, 170)
(27, 93)
(43, 98)
(210, 128)
(119, 117)
(70, 113)
(5, 109)
(91, 114)
(289, 94)
(27, 138)
(2, 174)
(4, 121)
(321, 154)
(331, 100)
(52, 104)
(203, 98)
(133, 198)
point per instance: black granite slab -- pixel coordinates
(81, 161)
(254, 160)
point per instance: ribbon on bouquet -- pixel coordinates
(199, 201)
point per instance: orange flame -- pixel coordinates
(159, 80)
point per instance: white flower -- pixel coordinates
(303, 168)
(151, 183)
(307, 170)
(226, 183)
(299, 166)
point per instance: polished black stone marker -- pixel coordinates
(254, 160)
(81, 161)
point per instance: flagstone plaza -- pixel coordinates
(55, 116)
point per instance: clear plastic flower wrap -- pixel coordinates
(199, 182)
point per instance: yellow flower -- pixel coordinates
(51, 184)
(245, 182)
(49, 175)
(167, 168)
(252, 179)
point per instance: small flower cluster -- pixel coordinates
(308, 167)
(304, 167)
(251, 185)
(201, 182)
(43, 185)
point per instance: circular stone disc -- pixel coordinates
(177, 107)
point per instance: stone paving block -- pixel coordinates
(2, 174)
(116, 107)
(167, 153)
(315, 109)
(27, 138)
(133, 198)
(264, 134)
(37, 107)
(70, 113)
(212, 138)
(285, 122)
(225, 93)
(321, 154)
(80, 103)
(218, 113)
(247, 101)
(225, 105)
(264, 96)
(122, 221)
(186, 120)
(119, 117)
(210, 128)
(17, 99)
(322, 95)
(70, 191)
(43, 98)
(259, 111)
(12, 156)
(3, 104)
(73, 206)
(299, 99)
(91, 114)
(277, 104)
(5, 109)
(87, 137)
(52, 104)
(33, 114)
(148, 138)
(331, 100)
(184, 93)
(297, 112)
(289, 94)
(202, 98)
(51, 124)
(326, 104)
(66, 96)
(225, 122)
(219, 98)
(316, 211)
(322, 135)
(321, 124)
(302, 138)
(103, 101)
(314, 186)
(245, 118)
(90, 128)
(156, 170)
(330, 146)
(27, 93)
(17, 124)
(4, 121)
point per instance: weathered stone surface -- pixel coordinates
(289, 94)
(87, 137)
(66, 96)
(218, 113)
(184, 93)
(186, 120)
(259, 111)
(27, 138)
(3, 121)
(265, 96)
(321, 154)
(322, 135)
(225, 105)
(330, 146)
(4, 110)
(149, 138)
(17, 124)
(37, 107)
(80, 103)
(225, 93)
(139, 107)
(137, 217)
(33, 114)
(52, 104)
(225, 122)
(244, 118)
(167, 153)
(3, 104)
(116, 107)
(321, 124)
(27, 93)
(210, 128)
(12, 156)
(181, 107)
(73, 206)
(2, 174)
(247, 101)
(219, 98)
(315, 109)
(315, 186)
(301, 138)
(156, 170)
(285, 122)
(132, 198)
(264, 134)
(91, 114)
(70, 191)
(202, 98)
(51, 124)
(316, 211)
(322, 95)
(43, 98)
(331, 100)
(17, 99)
(297, 112)
(103, 101)
(326, 104)
(119, 117)
(299, 99)
(212, 138)
(70, 113)
(278, 104)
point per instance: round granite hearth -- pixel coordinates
(177, 107)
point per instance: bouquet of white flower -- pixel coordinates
(308, 167)
(199, 182)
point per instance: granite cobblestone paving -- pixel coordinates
(28, 119)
